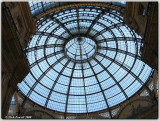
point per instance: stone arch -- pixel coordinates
(134, 107)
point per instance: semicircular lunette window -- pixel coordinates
(83, 59)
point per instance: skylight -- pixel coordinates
(83, 59)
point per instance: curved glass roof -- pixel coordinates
(38, 8)
(83, 59)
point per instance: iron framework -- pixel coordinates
(59, 82)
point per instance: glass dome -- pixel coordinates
(83, 59)
(80, 49)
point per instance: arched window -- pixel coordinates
(12, 108)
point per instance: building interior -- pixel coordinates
(79, 60)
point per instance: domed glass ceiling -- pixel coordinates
(83, 59)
